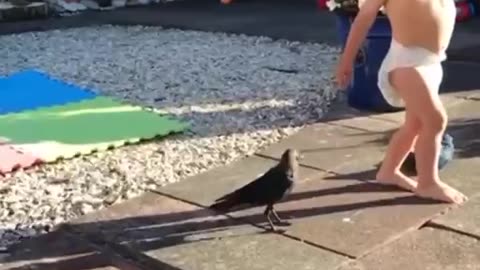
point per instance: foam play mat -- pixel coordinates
(81, 125)
(11, 159)
(32, 89)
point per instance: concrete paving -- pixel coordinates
(465, 219)
(59, 251)
(185, 236)
(232, 176)
(427, 248)
(337, 219)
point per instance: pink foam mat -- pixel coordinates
(11, 160)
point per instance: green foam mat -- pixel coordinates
(83, 127)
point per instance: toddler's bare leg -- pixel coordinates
(400, 145)
(425, 103)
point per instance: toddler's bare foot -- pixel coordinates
(398, 179)
(442, 192)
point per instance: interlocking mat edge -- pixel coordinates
(33, 89)
(87, 124)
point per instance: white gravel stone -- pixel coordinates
(238, 93)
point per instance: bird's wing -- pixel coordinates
(260, 183)
(264, 180)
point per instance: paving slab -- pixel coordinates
(56, 251)
(449, 99)
(465, 113)
(473, 94)
(247, 249)
(460, 81)
(341, 146)
(465, 218)
(470, 94)
(426, 249)
(464, 125)
(463, 171)
(463, 174)
(204, 188)
(350, 217)
(366, 123)
(186, 237)
(338, 149)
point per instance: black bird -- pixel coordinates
(268, 189)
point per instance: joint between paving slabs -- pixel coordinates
(256, 225)
(435, 225)
(390, 241)
(429, 223)
(471, 98)
(119, 256)
(137, 261)
(378, 116)
(352, 127)
(426, 223)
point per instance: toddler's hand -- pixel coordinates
(343, 74)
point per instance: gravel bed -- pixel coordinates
(239, 93)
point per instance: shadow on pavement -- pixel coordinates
(132, 237)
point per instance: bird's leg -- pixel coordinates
(267, 214)
(279, 221)
(275, 215)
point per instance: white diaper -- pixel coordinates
(427, 63)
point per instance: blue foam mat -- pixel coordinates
(32, 89)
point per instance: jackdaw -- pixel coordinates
(268, 189)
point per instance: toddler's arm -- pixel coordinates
(360, 26)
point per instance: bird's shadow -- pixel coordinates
(290, 208)
(133, 234)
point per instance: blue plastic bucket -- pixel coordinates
(363, 93)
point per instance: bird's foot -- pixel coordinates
(272, 226)
(279, 221)
(274, 229)
(283, 223)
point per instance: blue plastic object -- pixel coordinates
(363, 93)
(31, 89)
(446, 155)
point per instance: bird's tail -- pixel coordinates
(223, 204)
